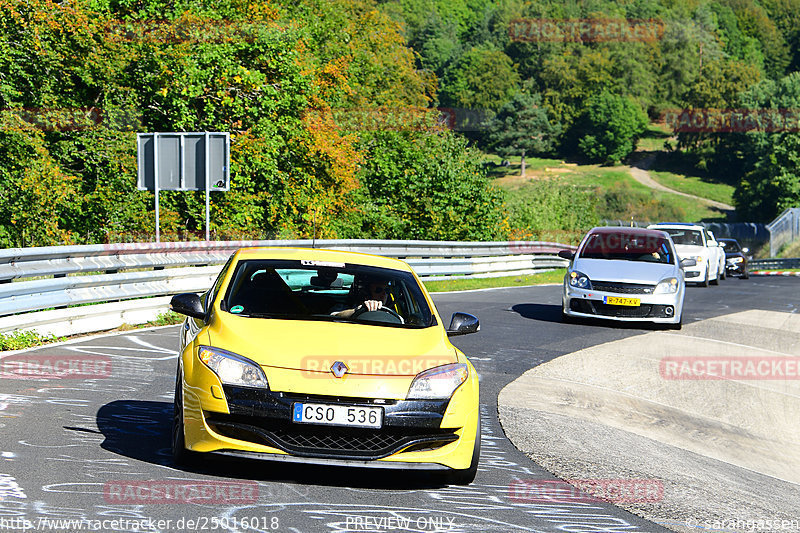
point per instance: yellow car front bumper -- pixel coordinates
(426, 434)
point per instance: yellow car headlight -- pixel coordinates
(232, 369)
(438, 383)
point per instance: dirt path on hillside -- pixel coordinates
(639, 172)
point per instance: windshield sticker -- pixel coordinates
(237, 309)
(308, 262)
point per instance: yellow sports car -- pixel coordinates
(324, 357)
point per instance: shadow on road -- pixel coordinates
(137, 429)
(542, 312)
(141, 430)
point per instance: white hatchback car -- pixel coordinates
(628, 274)
(692, 241)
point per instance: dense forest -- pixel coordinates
(369, 118)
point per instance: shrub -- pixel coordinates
(19, 340)
(542, 210)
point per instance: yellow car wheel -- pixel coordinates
(180, 454)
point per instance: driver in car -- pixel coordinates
(373, 295)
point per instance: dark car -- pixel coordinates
(735, 258)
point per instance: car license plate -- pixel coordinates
(338, 415)
(616, 300)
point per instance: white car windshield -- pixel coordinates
(690, 237)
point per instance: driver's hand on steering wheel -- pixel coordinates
(373, 305)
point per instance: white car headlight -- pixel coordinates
(667, 286)
(438, 383)
(232, 369)
(735, 260)
(579, 280)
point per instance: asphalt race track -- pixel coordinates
(95, 451)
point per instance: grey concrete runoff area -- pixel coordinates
(724, 446)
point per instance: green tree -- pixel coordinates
(38, 201)
(482, 78)
(774, 183)
(437, 43)
(522, 127)
(609, 127)
(569, 79)
(736, 44)
(427, 185)
(717, 88)
(786, 15)
(767, 155)
(269, 73)
(755, 22)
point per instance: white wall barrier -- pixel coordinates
(66, 290)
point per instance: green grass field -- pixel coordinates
(719, 192)
(605, 178)
(675, 172)
(654, 138)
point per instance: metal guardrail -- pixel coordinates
(774, 264)
(48, 289)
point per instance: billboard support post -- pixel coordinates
(155, 185)
(207, 172)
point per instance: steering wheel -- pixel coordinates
(379, 315)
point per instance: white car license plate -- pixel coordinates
(338, 415)
(615, 300)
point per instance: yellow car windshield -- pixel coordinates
(311, 290)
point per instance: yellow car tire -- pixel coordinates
(180, 455)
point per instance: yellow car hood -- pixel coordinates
(314, 346)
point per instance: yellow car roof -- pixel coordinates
(316, 254)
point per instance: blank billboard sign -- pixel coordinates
(183, 160)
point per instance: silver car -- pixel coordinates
(628, 274)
